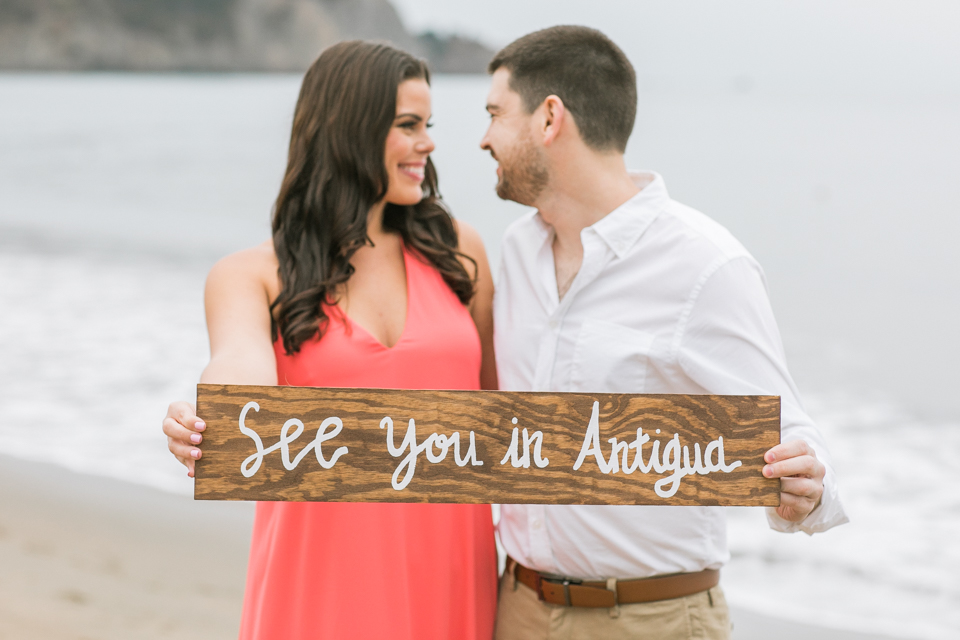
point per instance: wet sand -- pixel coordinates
(87, 558)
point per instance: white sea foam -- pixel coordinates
(93, 349)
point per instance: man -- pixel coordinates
(611, 286)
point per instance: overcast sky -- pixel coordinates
(886, 46)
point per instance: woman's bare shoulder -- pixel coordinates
(471, 243)
(254, 265)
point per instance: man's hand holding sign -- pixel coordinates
(801, 478)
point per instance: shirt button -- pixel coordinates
(536, 524)
(554, 324)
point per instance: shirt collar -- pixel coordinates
(623, 226)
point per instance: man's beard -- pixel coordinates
(523, 173)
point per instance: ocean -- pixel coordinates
(118, 192)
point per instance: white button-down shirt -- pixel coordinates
(666, 301)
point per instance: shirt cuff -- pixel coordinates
(828, 514)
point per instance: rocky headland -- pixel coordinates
(209, 35)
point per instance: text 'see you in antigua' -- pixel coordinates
(525, 449)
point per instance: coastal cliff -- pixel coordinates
(209, 35)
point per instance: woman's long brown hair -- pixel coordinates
(335, 174)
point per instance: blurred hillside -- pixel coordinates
(208, 35)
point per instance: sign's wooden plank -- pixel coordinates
(489, 447)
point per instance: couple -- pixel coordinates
(610, 287)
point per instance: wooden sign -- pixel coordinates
(378, 445)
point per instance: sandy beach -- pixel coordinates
(96, 559)
(88, 558)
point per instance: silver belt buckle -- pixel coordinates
(556, 579)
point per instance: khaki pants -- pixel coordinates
(522, 616)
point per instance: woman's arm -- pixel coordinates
(481, 307)
(237, 300)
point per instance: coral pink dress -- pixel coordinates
(398, 571)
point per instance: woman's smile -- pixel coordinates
(414, 170)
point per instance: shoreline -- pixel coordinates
(90, 557)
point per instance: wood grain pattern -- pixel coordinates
(749, 426)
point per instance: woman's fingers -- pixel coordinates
(181, 411)
(185, 454)
(183, 450)
(182, 427)
(188, 463)
(186, 414)
(175, 430)
(181, 441)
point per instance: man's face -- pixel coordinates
(522, 173)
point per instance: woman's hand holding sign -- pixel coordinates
(241, 347)
(182, 428)
(801, 478)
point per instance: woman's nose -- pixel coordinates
(425, 144)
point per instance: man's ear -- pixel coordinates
(554, 118)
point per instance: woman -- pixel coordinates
(367, 282)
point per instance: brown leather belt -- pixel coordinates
(578, 593)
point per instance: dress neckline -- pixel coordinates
(406, 320)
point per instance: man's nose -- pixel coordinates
(485, 141)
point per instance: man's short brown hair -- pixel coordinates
(586, 70)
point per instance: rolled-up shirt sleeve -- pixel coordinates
(729, 344)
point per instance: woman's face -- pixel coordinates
(408, 143)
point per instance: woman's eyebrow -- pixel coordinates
(409, 115)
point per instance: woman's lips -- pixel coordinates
(414, 171)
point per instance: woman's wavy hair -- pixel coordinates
(335, 174)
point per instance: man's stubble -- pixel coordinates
(523, 173)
